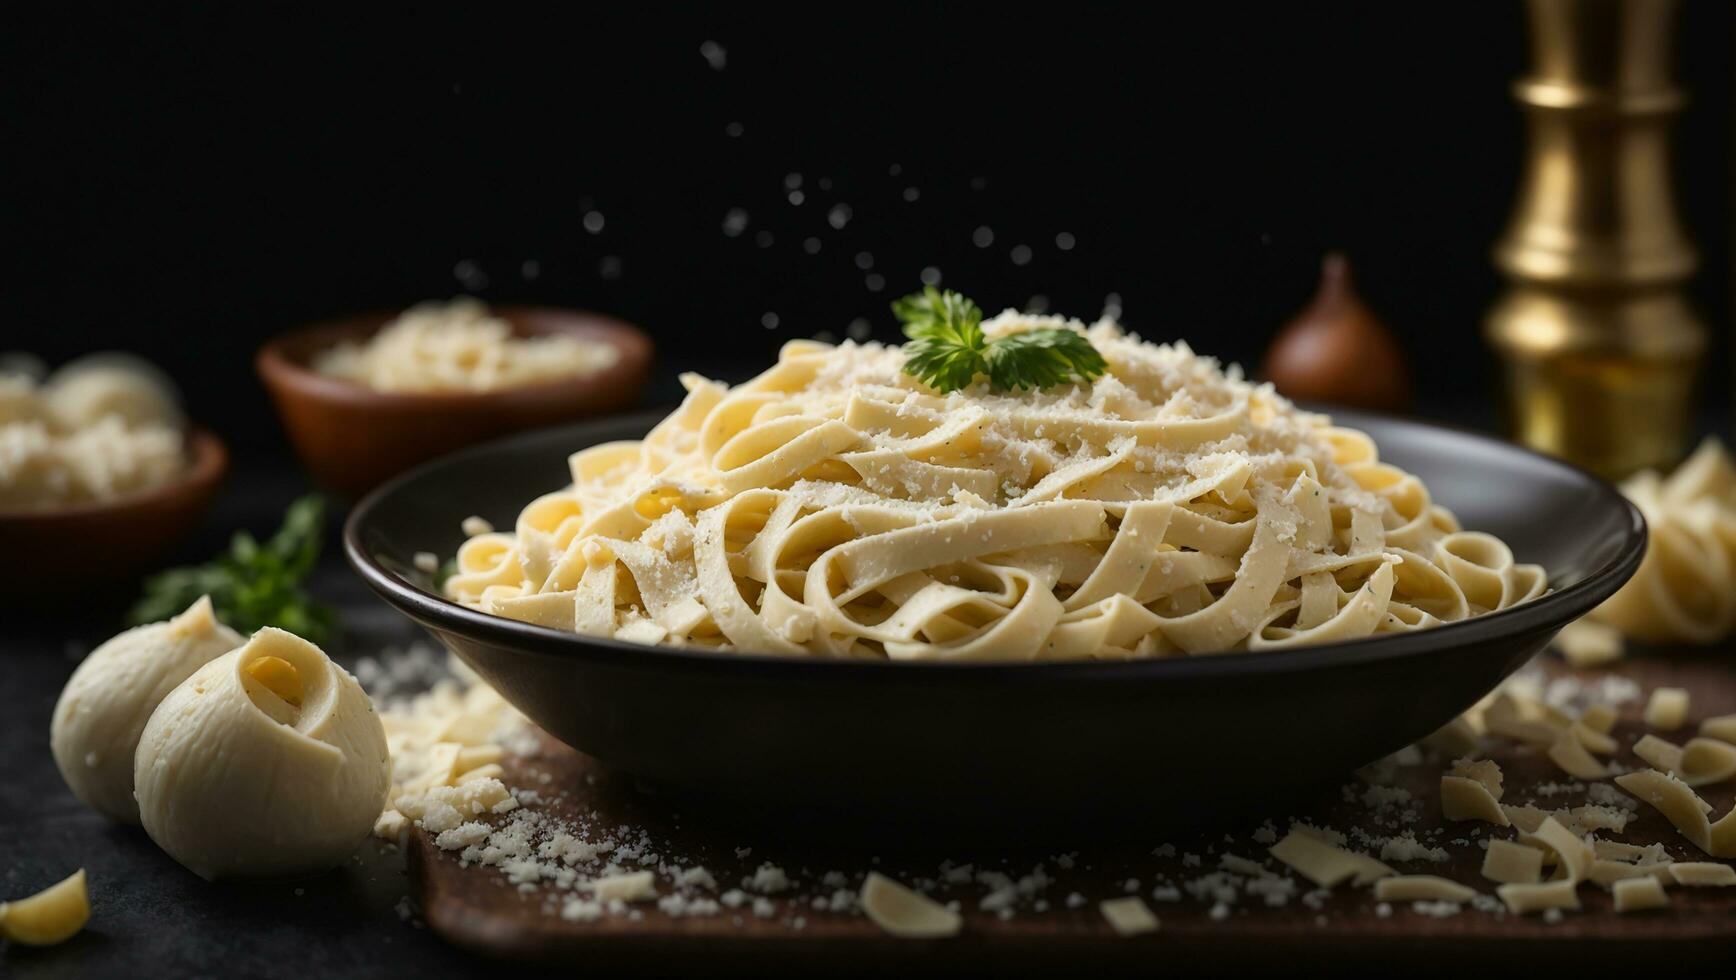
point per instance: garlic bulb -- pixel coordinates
(104, 707)
(267, 761)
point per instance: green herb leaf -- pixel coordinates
(947, 348)
(1037, 359)
(251, 585)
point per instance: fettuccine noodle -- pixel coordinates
(1685, 589)
(836, 506)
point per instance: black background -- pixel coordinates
(185, 180)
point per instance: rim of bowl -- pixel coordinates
(208, 460)
(1550, 611)
(283, 360)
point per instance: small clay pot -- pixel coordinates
(1337, 352)
(62, 554)
(352, 437)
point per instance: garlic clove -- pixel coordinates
(95, 727)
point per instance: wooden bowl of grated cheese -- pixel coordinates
(366, 397)
(61, 552)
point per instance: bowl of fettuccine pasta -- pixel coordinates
(1148, 591)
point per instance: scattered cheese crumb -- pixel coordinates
(1547, 896)
(905, 913)
(1703, 874)
(1667, 709)
(1128, 916)
(1589, 644)
(1421, 888)
(1638, 894)
(1512, 864)
(639, 886)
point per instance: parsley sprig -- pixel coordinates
(948, 349)
(253, 584)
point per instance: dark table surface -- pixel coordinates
(149, 916)
(147, 912)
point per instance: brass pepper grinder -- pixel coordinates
(1599, 346)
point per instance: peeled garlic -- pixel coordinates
(269, 760)
(111, 695)
(50, 916)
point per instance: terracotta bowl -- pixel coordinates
(353, 438)
(63, 552)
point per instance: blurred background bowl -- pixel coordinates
(353, 437)
(64, 554)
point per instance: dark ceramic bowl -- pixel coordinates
(59, 554)
(1009, 750)
(352, 437)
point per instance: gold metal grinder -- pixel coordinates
(1599, 346)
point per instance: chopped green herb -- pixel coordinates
(253, 584)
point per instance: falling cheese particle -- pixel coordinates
(50, 916)
(1722, 728)
(1524, 899)
(1667, 709)
(1128, 916)
(1421, 888)
(1324, 864)
(1512, 864)
(1575, 855)
(1705, 761)
(639, 886)
(1639, 894)
(1703, 874)
(904, 913)
(1588, 644)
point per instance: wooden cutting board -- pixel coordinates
(476, 908)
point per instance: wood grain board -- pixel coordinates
(476, 908)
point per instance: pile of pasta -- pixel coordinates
(836, 506)
(1685, 589)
